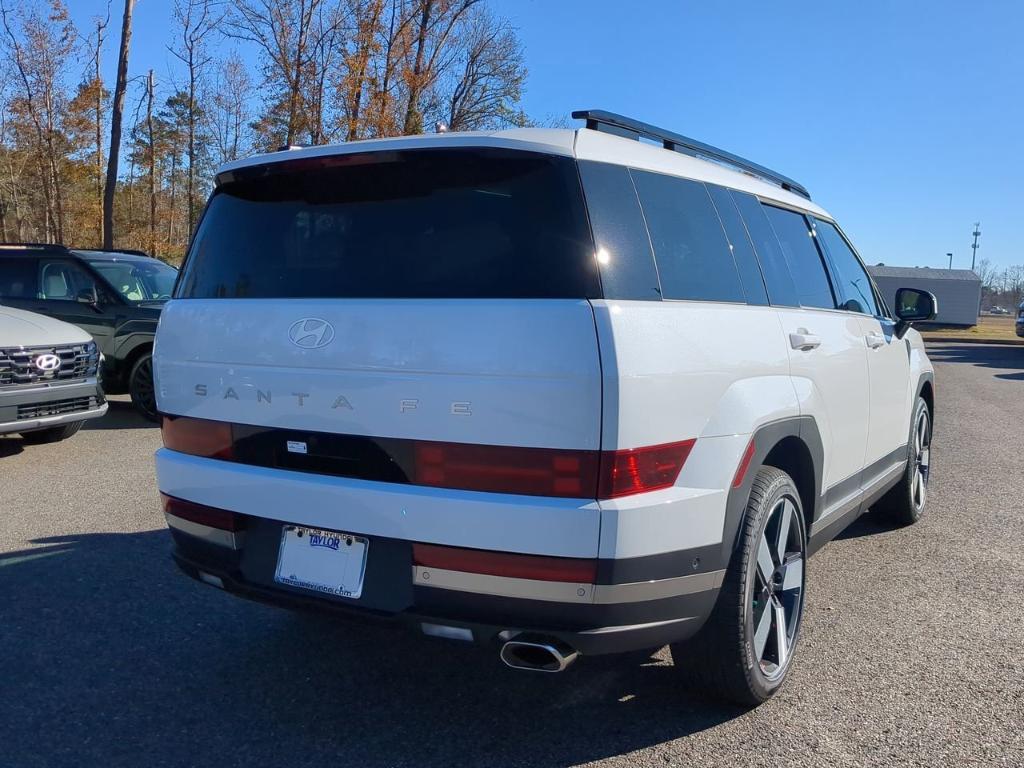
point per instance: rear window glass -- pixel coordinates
(427, 224)
(690, 248)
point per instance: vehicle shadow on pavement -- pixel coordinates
(108, 656)
(120, 415)
(1002, 357)
(10, 446)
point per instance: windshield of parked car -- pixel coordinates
(138, 281)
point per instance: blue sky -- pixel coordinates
(904, 119)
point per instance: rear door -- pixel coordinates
(888, 356)
(828, 356)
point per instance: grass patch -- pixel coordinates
(989, 328)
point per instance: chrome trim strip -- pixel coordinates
(43, 422)
(565, 592)
(503, 586)
(654, 590)
(230, 539)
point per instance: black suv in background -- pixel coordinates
(114, 295)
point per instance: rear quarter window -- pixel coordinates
(465, 223)
(690, 248)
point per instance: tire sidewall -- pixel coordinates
(133, 374)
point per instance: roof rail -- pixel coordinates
(609, 122)
(46, 246)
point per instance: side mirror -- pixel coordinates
(914, 306)
(88, 296)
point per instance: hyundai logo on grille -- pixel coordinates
(311, 332)
(47, 362)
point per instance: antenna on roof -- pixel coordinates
(609, 122)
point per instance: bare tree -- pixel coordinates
(436, 20)
(229, 115)
(197, 19)
(489, 82)
(39, 48)
(115, 125)
(291, 44)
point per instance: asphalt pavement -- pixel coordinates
(911, 650)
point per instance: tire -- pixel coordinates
(141, 389)
(745, 650)
(906, 501)
(51, 435)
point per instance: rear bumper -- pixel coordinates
(394, 591)
(26, 410)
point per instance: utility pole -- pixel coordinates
(950, 260)
(974, 248)
(150, 85)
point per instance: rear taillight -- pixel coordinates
(565, 473)
(639, 470)
(537, 567)
(201, 514)
(198, 437)
(531, 471)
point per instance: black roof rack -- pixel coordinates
(41, 246)
(609, 122)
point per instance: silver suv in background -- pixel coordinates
(49, 385)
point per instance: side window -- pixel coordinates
(19, 279)
(781, 290)
(805, 265)
(739, 243)
(623, 250)
(852, 283)
(63, 280)
(692, 254)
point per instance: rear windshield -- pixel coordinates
(466, 223)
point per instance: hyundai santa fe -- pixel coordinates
(559, 392)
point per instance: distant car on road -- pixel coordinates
(114, 295)
(999, 311)
(49, 384)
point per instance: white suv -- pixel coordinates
(561, 391)
(49, 376)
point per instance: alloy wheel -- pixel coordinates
(778, 588)
(922, 460)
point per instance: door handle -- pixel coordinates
(874, 340)
(804, 340)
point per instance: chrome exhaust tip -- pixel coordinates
(538, 654)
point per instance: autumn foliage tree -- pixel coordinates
(245, 76)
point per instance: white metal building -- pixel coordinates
(957, 290)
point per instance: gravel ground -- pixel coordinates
(911, 652)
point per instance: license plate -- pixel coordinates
(329, 562)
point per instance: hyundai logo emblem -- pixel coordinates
(47, 362)
(311, 333)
